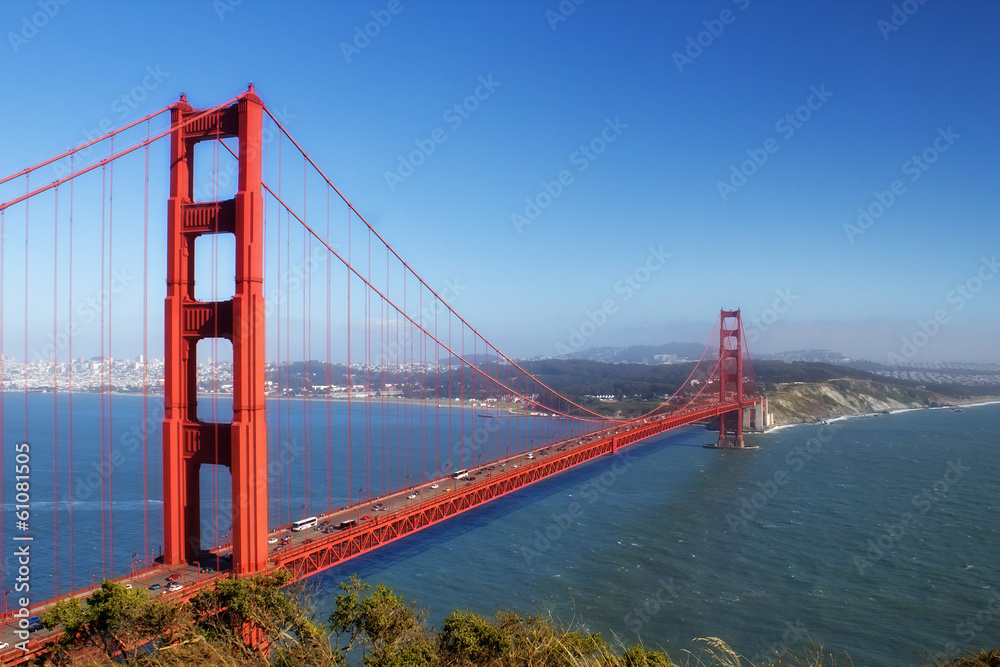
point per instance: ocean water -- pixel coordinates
(878, 536)
(95, 470)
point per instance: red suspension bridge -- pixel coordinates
(327, 380)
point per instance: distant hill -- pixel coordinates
(477, 359)
(817, 356)
(638, 354)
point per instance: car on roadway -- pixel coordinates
(366, 518)
(35, 627)
(411, 496)
(173, 577)
(174, 587)
(155, 587)
(3, 645)
(272, 540)
(434, 486)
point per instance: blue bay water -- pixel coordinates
(877, 536)
(651, 554)
(321, 456)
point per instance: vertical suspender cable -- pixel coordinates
(55, 392)
(307, 336)
(282, 446)
(69, 343)
(25, 364)
(145, 352)
(437, 396)
(104, 502)
(329, 383)
(213, 370)
(379, 359)
(111, 488)
(350, 442)
(368, 374)
(3, 373)
(288, 356)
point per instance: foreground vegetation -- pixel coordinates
(228, 625)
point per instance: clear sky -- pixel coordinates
(715, 153)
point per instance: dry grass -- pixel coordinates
(981, 659)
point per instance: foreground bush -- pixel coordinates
(252, 622)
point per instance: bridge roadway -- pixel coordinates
(407, 511)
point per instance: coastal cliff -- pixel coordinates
(798, 402)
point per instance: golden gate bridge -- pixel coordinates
(379, 409)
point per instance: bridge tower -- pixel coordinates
(731, 377)
(190, 442)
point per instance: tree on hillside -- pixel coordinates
(115, 620)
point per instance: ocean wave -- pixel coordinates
(978, 405)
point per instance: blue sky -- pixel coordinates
(780, 239)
